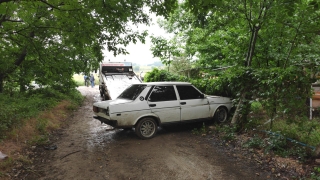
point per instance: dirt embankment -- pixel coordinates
(87, 149)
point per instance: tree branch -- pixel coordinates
(3, 1)
(58, 8)
(21, 57)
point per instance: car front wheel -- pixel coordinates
(220, 115)
(146, 128)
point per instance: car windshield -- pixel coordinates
(132, 92)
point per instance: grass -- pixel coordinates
(298, 128)
(305, 131)
(27, 119)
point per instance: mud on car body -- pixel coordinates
(145, 106)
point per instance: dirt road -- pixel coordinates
(88, 150)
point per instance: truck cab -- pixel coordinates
(114, 77)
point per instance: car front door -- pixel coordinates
(193, 104)
(164, 103)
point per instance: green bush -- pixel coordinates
(212, 86)
(17, 107)
(157, 75)
(275, 142)
(302, 130)
(256, 107)
(254, 142)
(228, 132)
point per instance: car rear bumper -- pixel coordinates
(112, 123)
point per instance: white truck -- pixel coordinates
(114, 77)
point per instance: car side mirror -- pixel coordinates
(202, 96)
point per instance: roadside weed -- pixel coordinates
(6, 163)
(41, 125)
(254, 142)
(275, 142)
(302, 130)
(228, 132)
(315, 176)
(199, 131)
(39, 140)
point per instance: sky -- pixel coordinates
(139, 53)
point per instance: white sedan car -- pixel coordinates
(145, 106)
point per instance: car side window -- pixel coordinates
(132, 92)
(162, 93)
(188, 92)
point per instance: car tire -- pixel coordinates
(146, 128)
(220, 115)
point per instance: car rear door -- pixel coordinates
(193, 104)
(164, 103)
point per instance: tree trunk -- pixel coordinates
(250, 53)
(252, 45)
(1, 84)
(237, 112)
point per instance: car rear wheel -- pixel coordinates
(146, 128)
(220, 115)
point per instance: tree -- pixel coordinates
(163, 49)
(50, 40)
(259, 36)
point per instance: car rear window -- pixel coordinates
(132, 92)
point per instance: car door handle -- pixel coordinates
(183, 103)
(152, 105)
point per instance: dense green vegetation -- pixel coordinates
(19, 107)
(284, 129)
(270, 47)
(263, 54)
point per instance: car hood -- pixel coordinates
(105, 104)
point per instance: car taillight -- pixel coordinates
(95, 109)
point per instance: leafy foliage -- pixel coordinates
(228, 132)
(304, 130)
(157, 75)
(254, 142)
(49, 41)
(271, 46)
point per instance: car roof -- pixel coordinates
(167, 83)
